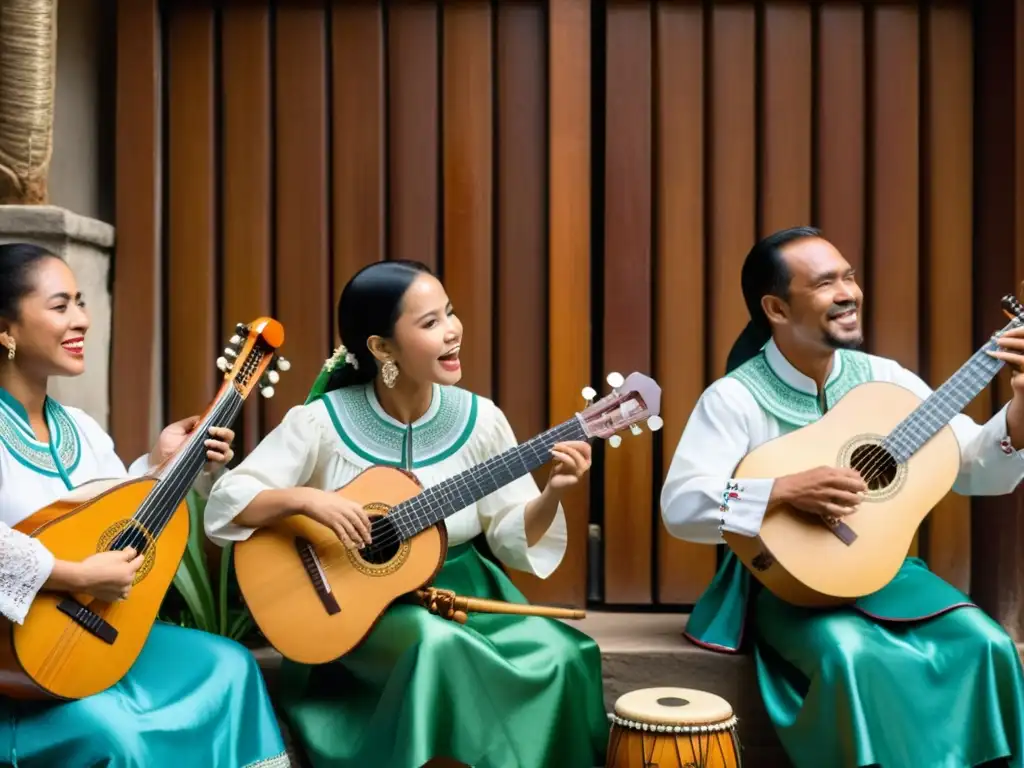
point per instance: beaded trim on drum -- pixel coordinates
(659, 728)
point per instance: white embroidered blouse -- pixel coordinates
(737, 413)
(35, 474)
(327, 443)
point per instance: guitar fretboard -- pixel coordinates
(469, 486)
(945, 402)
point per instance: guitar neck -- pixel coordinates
(939, 408)
(469, 486)
(181, 472)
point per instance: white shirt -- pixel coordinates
(327, 443)
(699, 499)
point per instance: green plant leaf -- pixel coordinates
(192, 579)
(240, 625)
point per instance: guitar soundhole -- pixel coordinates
(384, 542)
(875, 464)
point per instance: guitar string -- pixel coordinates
(334, 552)
(230, 401)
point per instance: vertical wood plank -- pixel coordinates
(358, 151)
(997, 525)
(191, 233)
(521, 279)
(301, 265)
(468, 109)
(894, 190)
(839, 160)
(684, 569)
(893, 306)
(786, 115)
(135, 357)
(569, 254)
(412, 131)
(948, 177)
(245, 179)
(732, 194)
(627, 292)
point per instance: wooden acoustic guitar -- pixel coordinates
(72, 645)
(315, 600)
(907, 454)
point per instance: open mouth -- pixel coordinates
(847, 318)
(74, 346)
(450, 359)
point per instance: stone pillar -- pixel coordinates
(86, 245)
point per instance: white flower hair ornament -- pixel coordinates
(340, 356)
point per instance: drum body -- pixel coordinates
(673, 728)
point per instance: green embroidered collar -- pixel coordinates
(59, 457)
(376, 438)
(791, 397)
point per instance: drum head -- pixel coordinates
(673, 706)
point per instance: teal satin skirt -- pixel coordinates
(844, 690)
(190, 699)
(501, 691)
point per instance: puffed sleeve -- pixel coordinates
(700, 498)
(285, 458)
(502, 513)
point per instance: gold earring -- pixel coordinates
(10, 350)
(388, 373)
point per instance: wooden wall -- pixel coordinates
(586, 177)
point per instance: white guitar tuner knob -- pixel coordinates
(655, 423)
(267, 392)
(615, 441)
(235, 341)
(635, 429)
(273, 377)
(615, 380)
(283, 364)
(589, 394)
(222, 364)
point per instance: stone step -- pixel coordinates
(647, 650)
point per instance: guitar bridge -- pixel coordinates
(316, 574)
(91, 622)
(842, 531)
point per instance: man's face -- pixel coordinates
(824, 299)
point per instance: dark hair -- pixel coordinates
(764, 274)
(370, 305)
(18, 262)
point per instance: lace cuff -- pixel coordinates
(25, 565)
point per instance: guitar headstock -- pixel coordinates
(250, 358)
(632, 400)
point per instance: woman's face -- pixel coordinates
(50, 329)
(427, 335)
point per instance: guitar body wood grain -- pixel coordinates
(51, 656)
(284, 600)
(796, 556)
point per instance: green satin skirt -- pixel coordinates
(190, 699)
(844, 690)
(501, 691)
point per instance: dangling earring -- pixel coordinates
(388, 373)
(10, 350)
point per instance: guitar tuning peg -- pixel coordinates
(230, 352)
(241, 329)
(267, 392)
(655, 423)
(615, 441)
(273, 377)
(223, 364)
(282, 364)
(635, 429)
(235, 341)
(589, 394)
(615, 380)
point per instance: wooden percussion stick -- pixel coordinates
(451, 606)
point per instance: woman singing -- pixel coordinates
(502, 690)
(190, 699)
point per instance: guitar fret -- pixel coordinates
(469, 486)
